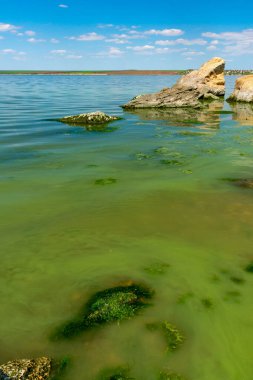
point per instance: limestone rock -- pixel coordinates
(92, 118)
(243, 91)
(26, 369)
(206, 83)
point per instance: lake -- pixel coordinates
(165, 216)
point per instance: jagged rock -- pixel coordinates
(26, 369)
(206, 83)
(243, 91)
(92, 118)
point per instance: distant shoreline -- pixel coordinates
(114, 72)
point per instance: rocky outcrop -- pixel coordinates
(206, 83)
(92, 118)
(243, 91)
(26, 369)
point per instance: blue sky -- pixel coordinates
(102, 35)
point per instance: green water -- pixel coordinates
(64, 236)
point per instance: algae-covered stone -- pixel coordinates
(118, 373)
(110, 305)
(26, 369)
(174, 338)
(89, 119)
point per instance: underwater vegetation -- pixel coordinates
(105, 181)
(170, 376)
(157, 268)
(110, 305)
(249, 268)
(118, 373)
(59, 368)
(174, 338)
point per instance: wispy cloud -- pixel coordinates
(35, 40)
(59, 52)
(30, 33)
(181, 41)
(54, 41)
(234, 43)
(63, 6)
(16, 55)
(7, 27)
(93, 36)
(165, 32)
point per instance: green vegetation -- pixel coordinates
(173, 336)
(207, 303)
(105, 181)
(171, 162)
(249, 267)
(118, 373)
(157, 268)
(183, 298)
(59, 368)
(110, 305)
(170, 376)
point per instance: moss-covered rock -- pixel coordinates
(27, 369)
(89, 120)
(110, 305)
(174, 338)
(117, 373)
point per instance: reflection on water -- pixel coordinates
(243, 113)
(207, 117)
(83, 212)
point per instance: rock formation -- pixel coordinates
(243, 91)
(92, 118)
(206, 83)
(26, 369)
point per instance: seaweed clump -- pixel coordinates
(170, 376)
(174, 338)
(107, 306)
(118, 373)
(249, 267)
(105, 181)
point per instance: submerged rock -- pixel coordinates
(89, 119)
(243, 91)
(110, 305)
(206, 83)
(26, 369)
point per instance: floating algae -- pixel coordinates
(170, 376)
(173, 336)
(249, 268)
(110, 305)
(157, 268)
(118, 373)
(105, 181)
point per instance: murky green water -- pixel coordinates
(63, 236)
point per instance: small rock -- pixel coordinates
(26, 369)
(92, 118)
(243, 91)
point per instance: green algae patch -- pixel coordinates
(118, 373)
(59, 368)
(105, 181)
(167, 375)
(237, 280)
(191, 133)
(157, 268)
(174, 338)
(249, 268)
(207, 303)
(183, 298)
(171, 162)
(142, 156)
(110, 305)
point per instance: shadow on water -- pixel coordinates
(206, 117)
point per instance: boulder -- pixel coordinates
(243, 91)
(206, 83)
(92, 118)
(26, 369)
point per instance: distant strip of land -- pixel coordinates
(115, 72)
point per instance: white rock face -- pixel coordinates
(243, 91)
(206, 83)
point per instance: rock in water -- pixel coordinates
(92, 118)
(206, 83)
(25, 369)
(243, 91)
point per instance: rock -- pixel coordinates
(206, 83)
(92, 118)
(243, 113)
(243, 91)
(26, 369)
(110, 305)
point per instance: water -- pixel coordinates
(63, 237)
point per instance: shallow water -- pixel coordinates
(63, 236)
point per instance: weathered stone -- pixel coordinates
(243, 91)
(92, 118)
(26, 369)
(206, 83)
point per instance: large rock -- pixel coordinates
(243, 91)
(206, 83)
(26, 369)
(92, 118)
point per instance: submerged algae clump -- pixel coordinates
(118, 373)
(170, 376)
(157, 268)
(105, 181)
(110, 305)
(173, 336)
(249, 268)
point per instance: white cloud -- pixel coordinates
(7, 27)
(144, 48)
(105, 26)
(115, 52)
(8, 51)
(63, 6)
(165, 32)
(35, 40)
(234, 43)
(17, 55)
(74, 56)
(58, 52)
(30, 33)
(181, 41)
(193, 53)
(117, 41)
(211, 47)
(54, 41)
(88, 37)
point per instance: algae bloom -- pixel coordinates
(110, 305)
